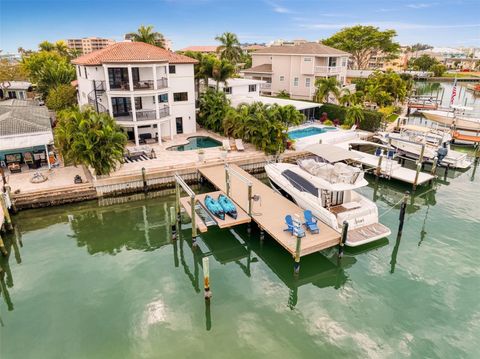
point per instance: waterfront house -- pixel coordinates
(25, 135)
(247, 91)
(148, 90)
(294, 68)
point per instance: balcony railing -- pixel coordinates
(139, 85)
(266, 86)
(144, 114)
(328, 69)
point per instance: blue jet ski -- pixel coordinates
(228, 206)
(214, 207)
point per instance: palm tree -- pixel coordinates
(213, 106)
(147, 35)
(89, 138)
(325, 87)
(46, 46)
(354, 115)
(230, 47)
(347, 97)
(222, 70)
(52, 74)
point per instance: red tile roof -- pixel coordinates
(127, 52)
(200, 48)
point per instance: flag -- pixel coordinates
(454, 92)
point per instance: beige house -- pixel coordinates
(294, 68)
(88, 44)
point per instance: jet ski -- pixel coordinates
(214, 207)
(228, 206)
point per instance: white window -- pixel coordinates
(295, 81)
(307, 82)
(344, 61)
(307, 59)
(252, 88)
(227, 90)
(282, 78)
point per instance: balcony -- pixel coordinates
(266, 86)
(143, 115)
(328, 70)
(140, 85)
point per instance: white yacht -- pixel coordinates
(457, 115)
(326, 186)
(437, 144)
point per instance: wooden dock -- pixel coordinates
(270, 211)
(242, 216)
(393, 170)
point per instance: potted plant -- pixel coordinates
(201, 155)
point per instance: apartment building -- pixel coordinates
(148, 90)
(294, 68)
(88, 44)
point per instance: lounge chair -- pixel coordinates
(310, 222)
(239, 144)
(226, 145)
(290, 227)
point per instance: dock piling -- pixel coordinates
(173, 223)
(297, 225)
(419, 167)
(434, 166)
(206, 278)
(343, 239)
(194, 224)
(6, 213)
(378, 170)
(144, 179)
(2, 247)
(403, 209)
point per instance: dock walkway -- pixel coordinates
(270, 211)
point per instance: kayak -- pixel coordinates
(214, 207)
(228, 206)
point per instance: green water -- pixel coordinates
(90, 281)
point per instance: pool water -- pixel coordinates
(96, 280)
(309, 131)
(194, 143)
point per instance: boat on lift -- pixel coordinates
(325, 185)
(460, 117)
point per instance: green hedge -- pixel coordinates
(371, 122)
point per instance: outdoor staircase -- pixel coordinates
(95, 95)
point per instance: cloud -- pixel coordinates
(278, 8)
(419, 5)
(389, 25)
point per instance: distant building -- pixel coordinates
(204, 49)
(294, 68)
(149, 91)
(167, 43)
(88, 44)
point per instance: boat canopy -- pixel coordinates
(331, 153)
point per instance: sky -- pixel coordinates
(25, 23)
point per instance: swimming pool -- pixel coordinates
(309, 131)
(197, 142)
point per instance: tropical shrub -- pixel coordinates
(61, 97)
(371, 119)
(89, 138)
(438, 70)
(213, 106)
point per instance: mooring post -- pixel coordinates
(177, 199)
(6, 213)
(297, 226)
(206, 278)
(144, 179)
(434, 166)
(8, 191)
(227, 180)
(419, 167)
(194, 224)
(343, 239)
(262, 233)
(173, 223)
(250, 199)
(403, 210)
(2, 246)
(475, 153)
(378, 170)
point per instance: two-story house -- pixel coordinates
(148, 90)
(294, 68)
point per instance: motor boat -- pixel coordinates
(411, 138)
(458, 116)
(327, 188)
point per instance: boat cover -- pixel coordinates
(300, 183)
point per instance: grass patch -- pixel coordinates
(392, 118)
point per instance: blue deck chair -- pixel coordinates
(290, 227)
(310, 221)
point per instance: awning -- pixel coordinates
(9, 143)
(331, 153)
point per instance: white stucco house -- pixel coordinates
(295, 67)
(239, 90)
(148, 90)
(15, 90)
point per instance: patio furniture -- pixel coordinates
(226, 145)
(239, 144)
(14, 167)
